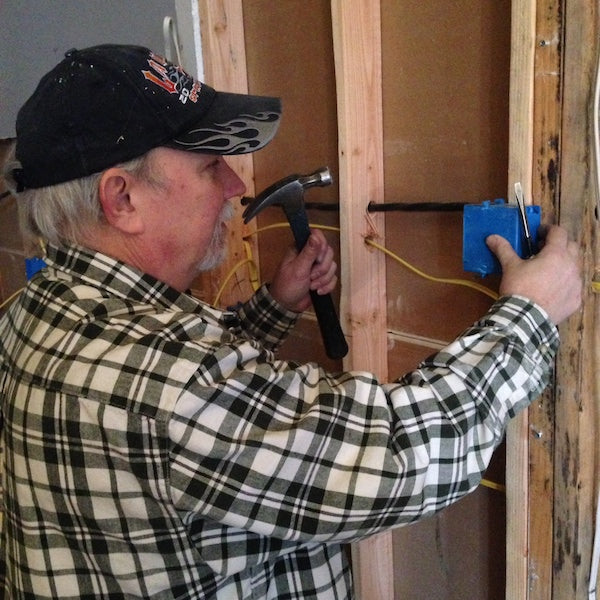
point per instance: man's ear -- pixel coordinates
(114, 190)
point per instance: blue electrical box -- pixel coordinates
(33, 265)
(481, 220)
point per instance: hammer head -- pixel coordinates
(287, 193)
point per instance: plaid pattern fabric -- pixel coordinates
(155, 448)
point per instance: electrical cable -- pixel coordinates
(13, 251)
(493, 485)
(596, 125)
(10, 298)
(416, 206)
(464, 282)
(452, 281)
(171, 40)
(383, 206)
(231, 273)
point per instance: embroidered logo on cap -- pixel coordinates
(172, 78)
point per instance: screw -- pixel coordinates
(536, 432)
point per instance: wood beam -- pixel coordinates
(523, 17)
(553, 452)
(577, 450)
(357, 49)
(545, 185)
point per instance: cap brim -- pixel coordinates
(234, 124)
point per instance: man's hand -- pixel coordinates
(298, 273)
(551, 278)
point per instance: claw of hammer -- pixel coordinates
(289, 194)
(288, 191)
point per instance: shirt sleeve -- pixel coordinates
(262, 318)
(291, 451)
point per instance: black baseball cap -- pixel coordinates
(107, 104)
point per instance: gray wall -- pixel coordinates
(35, 34)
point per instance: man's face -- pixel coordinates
(186, 210)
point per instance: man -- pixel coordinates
(154, 446)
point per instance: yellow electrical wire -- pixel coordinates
(231, 273)
(10, 298)
(493, 485)
(452, 281)
(254, 274)
(464, 282)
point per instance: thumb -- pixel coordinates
(502, 249)
(310, 253)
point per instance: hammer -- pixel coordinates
(289, 194)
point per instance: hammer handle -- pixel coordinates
(329, 324)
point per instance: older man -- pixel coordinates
(154, 445)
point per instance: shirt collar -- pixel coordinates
(120, 279)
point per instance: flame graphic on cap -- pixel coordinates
(243, 134)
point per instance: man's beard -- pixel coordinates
(217, 249)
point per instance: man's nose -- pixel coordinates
(233, 186)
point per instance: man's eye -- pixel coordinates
(211, 168)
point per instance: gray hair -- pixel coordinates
(65, 212)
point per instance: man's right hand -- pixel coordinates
(551, 278)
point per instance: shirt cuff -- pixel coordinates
(263, 318)
(529, 321)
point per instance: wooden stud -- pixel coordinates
(357, 48)
(523, 15)
(577, 393)
(224, 53)
(547, 118)
(519, 160)
(552, 479)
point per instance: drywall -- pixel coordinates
(37, 33)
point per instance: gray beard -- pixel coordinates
(217, 249)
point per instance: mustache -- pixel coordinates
(227, 212)
(217, 249)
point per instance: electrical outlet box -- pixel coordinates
(33, 265)
(481, 220)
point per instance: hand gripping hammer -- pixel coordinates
(289, 194)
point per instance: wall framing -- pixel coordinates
(577, 393)
(357, 49)
(552, 452)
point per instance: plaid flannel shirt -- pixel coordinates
(155, 448)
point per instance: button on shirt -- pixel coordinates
(155, 446)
